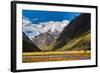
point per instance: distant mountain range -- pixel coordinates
(58, 36)
(32, 30)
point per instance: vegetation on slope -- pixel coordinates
(78, 43)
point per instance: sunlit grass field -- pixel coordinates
(29, 57)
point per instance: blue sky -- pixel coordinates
(36, 16)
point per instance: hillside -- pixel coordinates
(78, 43)
(77, 27)
(28, 46)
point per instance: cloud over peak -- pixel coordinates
(32, 30)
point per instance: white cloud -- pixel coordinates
(54, 26)
(36, 29)
(26, 21)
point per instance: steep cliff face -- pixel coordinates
(28, 45)
(76, 27)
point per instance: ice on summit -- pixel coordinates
(32, 30)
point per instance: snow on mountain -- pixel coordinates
(32, 30)
(54, 26)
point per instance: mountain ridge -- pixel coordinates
(78, 26)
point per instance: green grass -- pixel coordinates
(77, 43)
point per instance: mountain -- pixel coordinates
(81, 42)
(45, 39)
(48, 33)
(76, 28)
(44, 33)
(28, 45)
(32, 30)
(54, 26)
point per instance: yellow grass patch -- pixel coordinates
(54, 53)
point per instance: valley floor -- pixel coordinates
(29, 57)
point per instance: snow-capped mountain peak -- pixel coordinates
(54, 26)
(32, 30)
